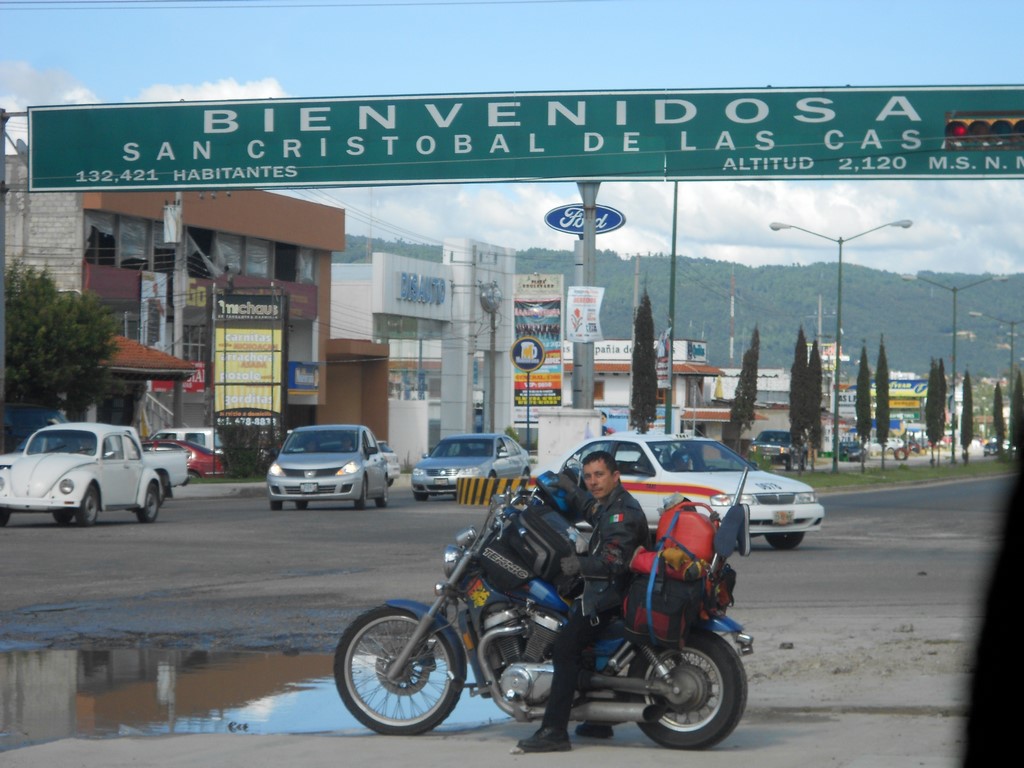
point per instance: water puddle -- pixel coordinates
(47, 695)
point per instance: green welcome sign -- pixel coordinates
(772, 133)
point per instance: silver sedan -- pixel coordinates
(333, 462)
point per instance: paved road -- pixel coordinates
(864, 634)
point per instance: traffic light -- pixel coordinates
(985, 130)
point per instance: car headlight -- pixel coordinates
(67, 485)
(469, 472)
(349, 469)
(725, 499)
(3, 483)
(418, 473)
(275, 470)
(806, 497)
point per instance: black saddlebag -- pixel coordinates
(540, 537)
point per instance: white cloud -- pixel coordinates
(22, 86)
(227, 88)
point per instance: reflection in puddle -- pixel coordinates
(48, 695)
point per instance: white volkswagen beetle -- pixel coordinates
(75, 471)
(653, 467)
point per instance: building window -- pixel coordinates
(195, 342)
(257, 257)
(100, 243)
(599, 391)
(133, 243)
(163, 252)
(227, 252)
(304, 266)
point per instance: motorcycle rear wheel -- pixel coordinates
(423, 695)
(713, 666)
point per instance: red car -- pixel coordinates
(202, 462)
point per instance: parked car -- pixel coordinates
(394, 465)
(330, 462)
(22, 420)
(991, 447)
(207, 437)
(199, 460)
(473, 455)
(75, 471)
(653, 467)
(777, 445)
(850, 450)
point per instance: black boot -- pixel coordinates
(546, 740)
(594, 730)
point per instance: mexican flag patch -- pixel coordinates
(617, 518)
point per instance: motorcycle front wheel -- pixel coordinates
(424, 693)
(711, 677)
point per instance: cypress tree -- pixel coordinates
(1017, 416)
(814, 377)
(863, 405)
(644, 399)
(799, 400)
(933, 408)
(998, 420)
(742, 411)
(882, 398)
(967, 417)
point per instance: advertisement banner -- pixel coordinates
(584, 321)
(661, 359)
(249, 359)
(538, 313)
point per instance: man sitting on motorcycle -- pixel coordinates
(619, 527)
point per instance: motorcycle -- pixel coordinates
(400, 668)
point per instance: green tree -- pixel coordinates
(863, 405)
(998, 420)
(57, 343)
(801, 417)
(742, 412)
(882, 398)
(934, 407)
(814, 375)
(1017, 415)
(967, 416)
(644, 398)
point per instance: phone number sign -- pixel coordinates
(773, 133)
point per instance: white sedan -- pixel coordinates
(76, 471)
(654, 467)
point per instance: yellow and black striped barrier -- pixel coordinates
(477, 491)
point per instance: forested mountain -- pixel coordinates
(916, 318)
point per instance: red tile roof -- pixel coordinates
(133, 360)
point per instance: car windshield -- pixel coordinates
(676, 455)
(322, 441)
(62, 441)
(774, 438)
(461, 448)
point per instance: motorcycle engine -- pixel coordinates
(525, 670)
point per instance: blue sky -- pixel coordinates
(116, 51)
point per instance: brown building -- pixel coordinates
(167, 294)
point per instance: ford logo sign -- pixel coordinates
(569, 218)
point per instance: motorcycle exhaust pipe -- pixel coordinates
(631, 685)
(618, 712)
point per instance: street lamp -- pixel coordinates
(1013, 360)
(776, 226)
(954, 289)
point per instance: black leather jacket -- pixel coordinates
(619, 527)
